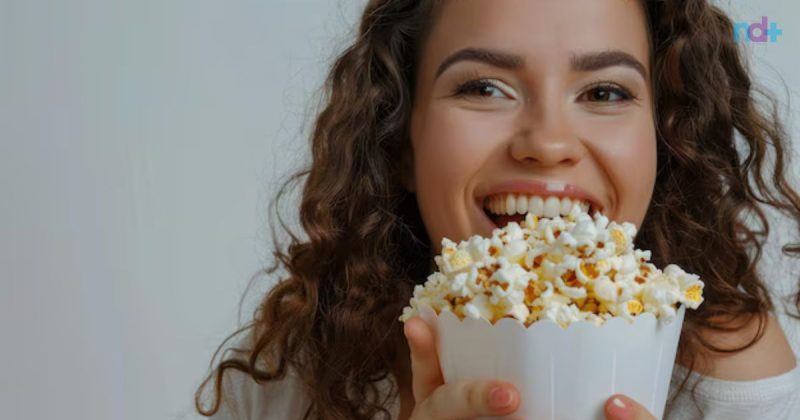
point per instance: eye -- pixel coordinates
(608, 93)
(483, 88)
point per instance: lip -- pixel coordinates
(557, 188)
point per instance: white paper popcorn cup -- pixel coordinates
(562, 373)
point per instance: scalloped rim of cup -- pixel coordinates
(644, 317)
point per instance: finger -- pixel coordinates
(469, 399)
(425, 370)
(620, 407)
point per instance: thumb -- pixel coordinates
(426, 374)
(620, 407)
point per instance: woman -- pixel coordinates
(438, 105)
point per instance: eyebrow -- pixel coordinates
(578, 62)
(495, 58)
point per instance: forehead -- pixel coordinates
(542, 31)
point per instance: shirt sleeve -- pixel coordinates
(244, 399)
(776, 397)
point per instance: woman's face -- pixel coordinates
(535, 100)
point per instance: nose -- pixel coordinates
(546, 138)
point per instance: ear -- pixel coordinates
(407, 170)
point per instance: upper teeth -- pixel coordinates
(511, 204)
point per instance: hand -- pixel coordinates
(631, 410)
(436, 400)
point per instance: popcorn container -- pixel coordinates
(562, 373)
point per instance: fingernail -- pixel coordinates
(500, 397)
(618, 410)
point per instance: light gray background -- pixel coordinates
(140, 142)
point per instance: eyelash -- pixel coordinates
(469, 86)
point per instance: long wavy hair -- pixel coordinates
(332, 316)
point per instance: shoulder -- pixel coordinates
(244, 398)
(770, 356)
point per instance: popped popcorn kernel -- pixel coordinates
(694, 293)
(634, 307)
(460, 259)
(619, 239)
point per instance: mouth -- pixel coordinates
(504, 208)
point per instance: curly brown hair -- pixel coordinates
(334, 317)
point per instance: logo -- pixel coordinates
(764, 31)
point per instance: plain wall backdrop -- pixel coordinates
(140, 143)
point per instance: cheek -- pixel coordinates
(454, 144)
(450, 147)
(629, 161)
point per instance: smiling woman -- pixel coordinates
(449, 118)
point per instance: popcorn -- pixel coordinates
(691, 288)
(564, 269)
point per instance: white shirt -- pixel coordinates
(774, 398)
